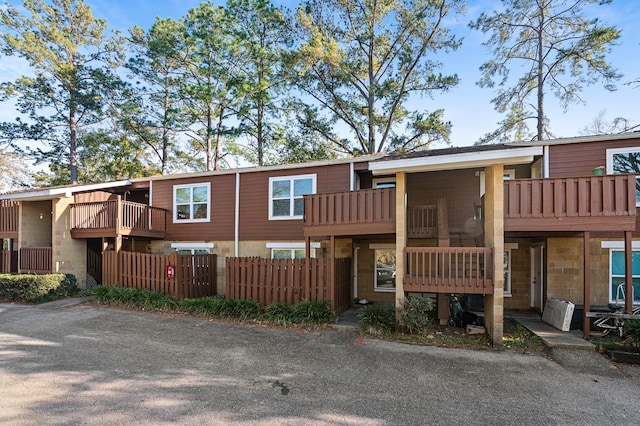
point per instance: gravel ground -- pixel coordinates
(81, 364)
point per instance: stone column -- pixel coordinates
(69, 256)
(494, 237)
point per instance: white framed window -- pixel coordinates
(508, 247)
(191, 202)
(192, 247)
(616, 275)
(291, 250)
(384, 267)
(625, 160)
(286, 195)
(389, 182)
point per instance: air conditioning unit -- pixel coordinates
(558, 313)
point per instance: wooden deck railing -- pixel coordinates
(358, 212)
(422, 221)
(122, 216)
(35, 260)
(449, 270)
(601, 203)
(8, 217)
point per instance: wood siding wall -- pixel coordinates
(571, 160)
(254, 205)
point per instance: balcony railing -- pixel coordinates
(449, 270)
(598, 203)
(118, 218)
(367, 211)
(8, 218)
(35, 260)
(422, 221)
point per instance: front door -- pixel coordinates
(537, 277)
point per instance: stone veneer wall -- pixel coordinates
(69, 255)
(35, 232)
(565, 278)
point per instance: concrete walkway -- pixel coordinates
(551, 336)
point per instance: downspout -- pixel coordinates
(351, 177)
(355, 271)
(150, 192)
(545, 162)
(237, 217)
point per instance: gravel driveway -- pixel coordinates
(88, 365)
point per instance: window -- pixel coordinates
(625, 160)
(191, 202)
(616, 275)
(384, 182)
(290, 250)
(508, 247)
(385, 269)
(286, 195)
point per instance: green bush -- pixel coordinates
(279, 313)
(133, 297)
(632, 331)
(203, 306)
(313, 313)
(37, 288)
(414, 314)
(377, 318)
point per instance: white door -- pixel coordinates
(537, 277)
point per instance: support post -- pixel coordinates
(401, 234)
(586, 324)
(307, 269)
(332, 273)
(628, 273)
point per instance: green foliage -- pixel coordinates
(133, 297)
(414, 315)
(72, 76)
(379, 318)
(362, 62)
(632, 332)
(279, 313)
(559, 50)
(317, 312)
(37, 288)
(206, 306)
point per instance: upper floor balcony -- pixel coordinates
(117, 217)
(592, 203)
(8, 219)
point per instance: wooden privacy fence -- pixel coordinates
(449, 270)
(8, 216)
(269, 281)
(193, 275)
(5, 261)
(35, 260)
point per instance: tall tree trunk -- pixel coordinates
(371, 89)
(208, 140)
(216, 163)
(540, 76)
(73, 150)
(165, 133)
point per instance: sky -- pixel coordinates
(467, 106)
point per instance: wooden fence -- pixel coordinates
(8, 217)
(35, 260)
(5, 261)
(269, 281)
(194, 275)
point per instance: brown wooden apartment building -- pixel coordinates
(515, 223)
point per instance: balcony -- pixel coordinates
(449, 270)
(8, 219)
(363, 212)
(593, 203)
(116, 217)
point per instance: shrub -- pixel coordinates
(377, 318)
(279, 313)
(414, 314)
(37, 288)
(632, 331)
(313, 313)
(202, 306)
(134, 297)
